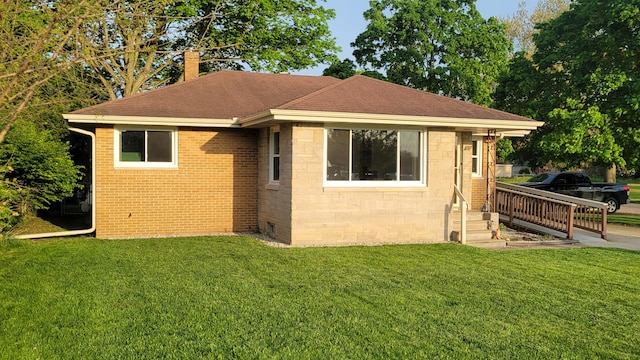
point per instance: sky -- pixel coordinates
(349, 23)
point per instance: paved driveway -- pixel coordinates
(630, 209)
(620, 236)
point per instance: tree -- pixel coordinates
(442, 47)
(504, 149)
(132, 45)
(585, 77)
(341, 70)
(520, 26)
(35, 42)
(268, 35)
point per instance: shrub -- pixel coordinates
(38, 169)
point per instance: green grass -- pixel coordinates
(233, 297)
(515, 179)
(630, 220)
(634, 193)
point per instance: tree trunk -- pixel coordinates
(610, 174)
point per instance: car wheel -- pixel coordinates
(612, 205)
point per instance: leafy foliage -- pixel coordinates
(582, 80)
(8, 192)
(269, 35)
(39, 167)
(442, 47)
(38, 42)
(504, 149)
(341, 70)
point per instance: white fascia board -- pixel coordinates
(150, 121)
(504, 133)
(386, 119)
(521, 133)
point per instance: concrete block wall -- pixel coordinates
(334, 216)
(213, 190)
(274, 199)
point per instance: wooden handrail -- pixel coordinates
(464, 205)
(554, 211)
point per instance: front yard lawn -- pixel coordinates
(234, 297)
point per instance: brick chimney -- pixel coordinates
(191, 65)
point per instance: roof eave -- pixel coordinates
(150, 121)
(514, 127)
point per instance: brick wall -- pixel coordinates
(479, 193)
(213, 190)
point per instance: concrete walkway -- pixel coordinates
(618, 236)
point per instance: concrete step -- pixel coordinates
(473, 225)
(473, 235)
(471, 216)
(479, 227)
(477, 235)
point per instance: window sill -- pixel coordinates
(342, 188)
(272, 186)
(144, 167)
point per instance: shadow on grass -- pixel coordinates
(52, 221)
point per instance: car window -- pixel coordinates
(565, 179)
(582, 179)
(539, 178)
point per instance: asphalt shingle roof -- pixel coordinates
(237, 94)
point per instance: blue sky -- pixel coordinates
(349, 23)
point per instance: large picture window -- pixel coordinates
(145, 147)
(361, 155)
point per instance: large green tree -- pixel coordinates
(262, 35)
(439, 46)
(583, 81)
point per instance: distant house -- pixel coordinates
(306, 160)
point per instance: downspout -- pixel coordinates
(93, 197)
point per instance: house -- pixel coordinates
(306, 160)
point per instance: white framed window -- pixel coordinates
(274, 155)
(374, 157)
(476, 157)
(148, 147)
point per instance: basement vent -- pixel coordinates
(271, 228)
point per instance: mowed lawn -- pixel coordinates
(634, 193)
(234, 297)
